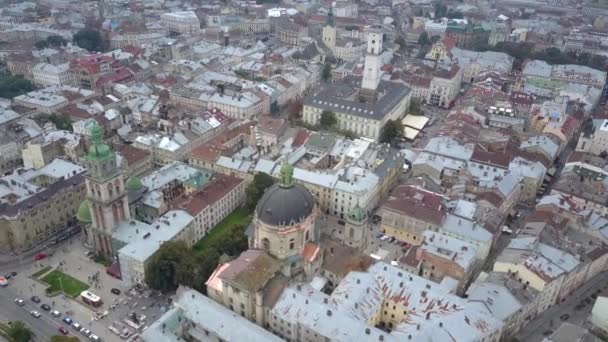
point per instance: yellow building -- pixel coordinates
(40, 205)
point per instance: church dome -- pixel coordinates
(357, 215)
(133, 183)
(285, 203)
(84, 214)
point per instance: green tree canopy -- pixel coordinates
(19, 332)
(62, 122)
(89, 39)
(328, 119)
(423, 39)
(391, 130)
(255, 190)
(56, 41)
(11, 86)
(170, 266)
(41, 44)
(326, 72)
(415, 108)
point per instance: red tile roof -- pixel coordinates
(492, 158)
(219, 186)
(416, 202)
(133, 155)
(301, 138)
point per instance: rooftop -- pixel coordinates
(341, 97)
(207, 315)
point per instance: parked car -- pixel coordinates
(564, 317)
(55, 313)
(63, 330)
(67, 320)
(8, 276)
(76, 326)
(14, 273)
(45, 307)
(341, 222)
(35, 313)
(94, 338)
(115, 291)
(40, 256)
(19, 301)
(85, 331)
(35, 299)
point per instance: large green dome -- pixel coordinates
(357, 215)
(84, 214)
(133, 183)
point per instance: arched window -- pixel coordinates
(292, 243)
(110, 192)
(307, 235)
(266, 244)
(117, 186)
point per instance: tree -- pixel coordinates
(62, 338)
(89, 39)
(415, 108)
(41, 44)
(11, 86)
(56, 41)
(294, 110)
(401, 42)
(328, 119)
(391, 130)
(423, 39)
(440, 10)
(170, 266)
(255, 190)
(326, 72)
(62, 122)
(19, 332)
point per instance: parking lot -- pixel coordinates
(113, 318)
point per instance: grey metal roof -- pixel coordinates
(282, 206)
(341, 97)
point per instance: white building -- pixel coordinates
(594, 142)
(182, 22)
(45, 74)
(201, 319)
(411, 307)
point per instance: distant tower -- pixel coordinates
(373, 63)
(329, 30)
(356, 228)
(106, 194)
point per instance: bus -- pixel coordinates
(91, 298)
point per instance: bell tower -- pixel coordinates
(106, 194)
(373, 63)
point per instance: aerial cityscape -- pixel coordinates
(304, 171)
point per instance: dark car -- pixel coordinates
(548, 332)
(8, 276)
(45, 307)
(35, 299)
(564, 317)
(14, 273)
(341, 222)
(115, 291)
(67, 320)
(63, 330)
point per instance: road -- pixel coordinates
(550, 319)
(43, 327)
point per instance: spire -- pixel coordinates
(330, 16)
(286, 175)
(98, 150)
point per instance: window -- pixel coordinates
(307, 235)
(292, 244)
(266, 244)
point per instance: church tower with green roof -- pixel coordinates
(106, 192)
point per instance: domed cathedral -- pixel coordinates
(284, 221)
